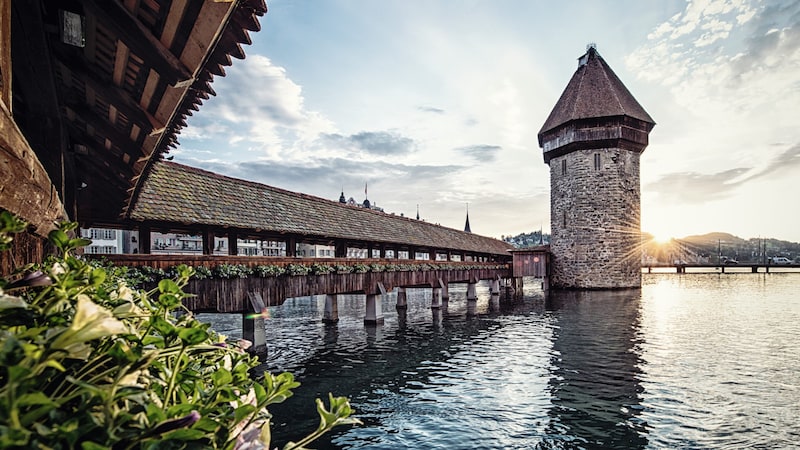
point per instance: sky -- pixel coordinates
(437, 104)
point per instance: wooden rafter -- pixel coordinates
(140, 40)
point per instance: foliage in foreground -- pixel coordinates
(86, 362)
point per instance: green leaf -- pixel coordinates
(261, 393)
(243, 411)
(35, 398)
(97, 277)
(192, 336)
(59, 238)
(190, 434)
(168, 286)
(221, 377)
(93, 446)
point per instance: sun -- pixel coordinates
(662, 238)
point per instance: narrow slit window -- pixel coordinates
(563, 167)
(597, 161)
(564, 219)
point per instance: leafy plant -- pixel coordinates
(360, 268)
(297, 269)
(268, 271)
(320, 269)
(232, 271)
(86, 362)
(342, 268)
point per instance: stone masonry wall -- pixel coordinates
(595, 220)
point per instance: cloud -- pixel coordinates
(786, 163)
(265, 107)
(381, 143)
(693, 187)
(480, 152)
(431, 109)
(327, 176)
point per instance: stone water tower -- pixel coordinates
(592, 141)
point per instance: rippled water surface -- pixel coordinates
(688, 361)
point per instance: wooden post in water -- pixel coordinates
(494, 287)
(374, 314)
(253, 327)
(471, 293)
(331, 314)
(436, 299)
(402, 302)
(445, 290)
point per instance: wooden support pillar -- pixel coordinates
(445, 290)
(374, 314)
(233, 243)
(253, 328)
(331, 314)
(431, 254)
(383, 251)
(471, 292)
(208, 242)
(436, 297)
(291, 246)
(402, 300)
(495, 287)
(145, 242)
(412, 253)
(517, 281)
(754, 269)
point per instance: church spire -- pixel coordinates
(417, 211)
(466, 225)
(341, 197)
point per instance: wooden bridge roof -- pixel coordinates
(593, 91)
(102, 88)
(181, 195)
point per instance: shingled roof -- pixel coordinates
(594, 91)
(178, 194)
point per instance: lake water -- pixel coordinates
(689, 361)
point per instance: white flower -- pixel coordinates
(91, 322)
(57, 269)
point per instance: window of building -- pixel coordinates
(597, 161)
(563, 167)
(564, 220)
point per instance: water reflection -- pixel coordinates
(595, 370)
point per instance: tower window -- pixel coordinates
(597, 161)
(564, 220)
(563, 167)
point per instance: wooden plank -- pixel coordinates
(5, 53)
(108, 91)
(25, 187)
(174, 16)
(120, 63)
(206, 32)
(139, 39)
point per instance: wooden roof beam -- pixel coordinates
(105, 130)
(112, 94)
(140, 40)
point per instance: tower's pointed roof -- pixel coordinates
(466, 225)
(594, 91)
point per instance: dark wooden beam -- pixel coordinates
(112, 94)
(105, 130)
(139, 39)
